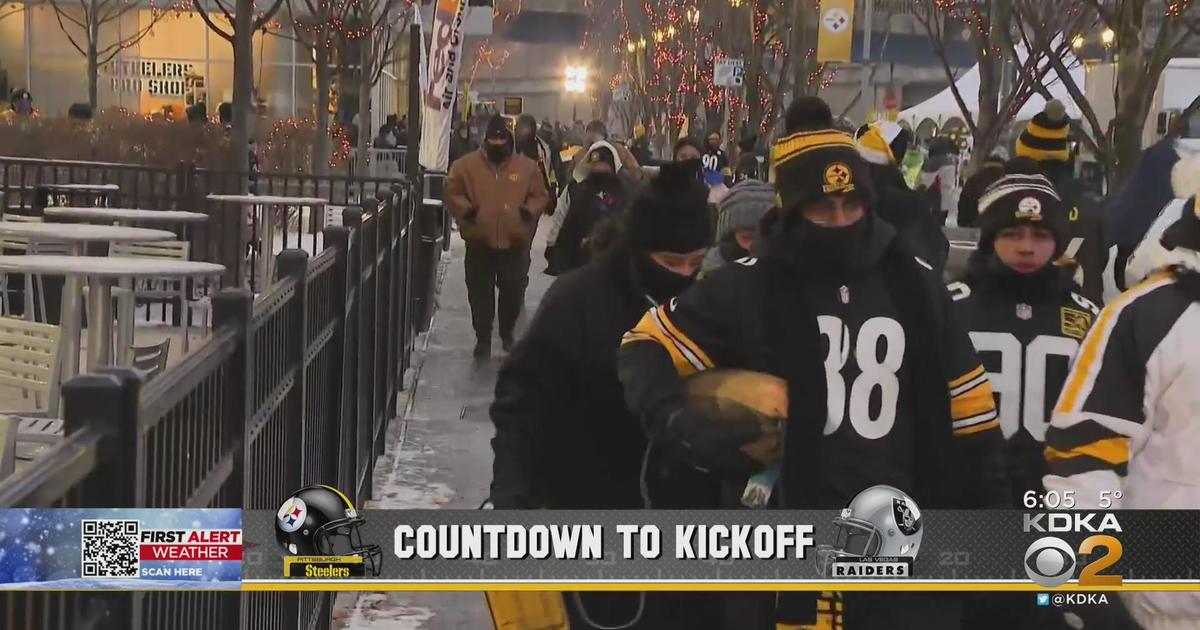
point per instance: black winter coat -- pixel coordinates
(591, 202)
(907, 211)
(564, 436)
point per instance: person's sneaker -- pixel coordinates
(506, 343)
(483, 349)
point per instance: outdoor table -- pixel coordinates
(101, 274)
(65, 194)
(83, 187)
(77, 236)
(265, 261)
(124, 216)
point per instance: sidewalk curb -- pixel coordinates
(344, 602)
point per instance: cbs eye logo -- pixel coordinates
(1050, 561)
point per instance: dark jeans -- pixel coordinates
(491, 269)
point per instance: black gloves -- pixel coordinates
(715, 444)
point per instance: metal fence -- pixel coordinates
(295, 387)
(185, 186)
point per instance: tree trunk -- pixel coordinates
(93, 74)
(1134, 93)
(991, 74)
(986, 120)
(799, 50)
(366, 69)
(243, 87)
(321, 149)
(754, 65)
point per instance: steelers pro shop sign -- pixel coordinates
(1145, 549)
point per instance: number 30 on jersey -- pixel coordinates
(1019, 402)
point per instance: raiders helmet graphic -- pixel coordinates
(880, 522)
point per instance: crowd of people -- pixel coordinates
(819, 266)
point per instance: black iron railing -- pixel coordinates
(295, 387)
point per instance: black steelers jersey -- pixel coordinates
(1026, 346)
(869, 432)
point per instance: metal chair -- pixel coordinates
(152, 288)
(151, 360)
(8, 446)
(21, 245)
(29, 360)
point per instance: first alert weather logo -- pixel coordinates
(318, 529)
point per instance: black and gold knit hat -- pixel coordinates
(1045, 137)
(809, 165)
(1014, 199)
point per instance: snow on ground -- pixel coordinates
(439, 456)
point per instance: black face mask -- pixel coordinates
(824, 247)
(497, 153)
(602, 180)
(660, 283)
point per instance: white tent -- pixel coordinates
(943, 107)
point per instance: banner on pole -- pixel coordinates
(835, 37)
(438, 97)
(728, 72)
(423, 64)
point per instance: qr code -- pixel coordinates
(110, 548)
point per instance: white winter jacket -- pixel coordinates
(1128, 419)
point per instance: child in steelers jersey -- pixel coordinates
(1025, 316)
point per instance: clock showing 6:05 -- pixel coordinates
(1054, 500)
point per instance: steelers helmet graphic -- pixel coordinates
(880, 521)
(321, 521)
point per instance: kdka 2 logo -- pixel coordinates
(1050, 561)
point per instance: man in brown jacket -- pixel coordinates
(497, 197)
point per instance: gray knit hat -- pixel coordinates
(744, 205)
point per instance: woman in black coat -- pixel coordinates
(565, 439)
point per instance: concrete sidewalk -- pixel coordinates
(439, 455)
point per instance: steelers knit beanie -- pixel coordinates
(1021, 198)
(809, 165)
(1045, 137)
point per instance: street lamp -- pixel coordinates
(1077, 42)
(735, 3)
(693, 15)
(576, 84)
(671, 31)
(1107, 37)
(631, 47)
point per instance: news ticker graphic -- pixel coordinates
(75, 549)
(750, 549)
(135, 549)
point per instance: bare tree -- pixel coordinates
(319, 25)
(243, 20)
(385, 23)
(82, 27)
(997, 31)
(1141, 57)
